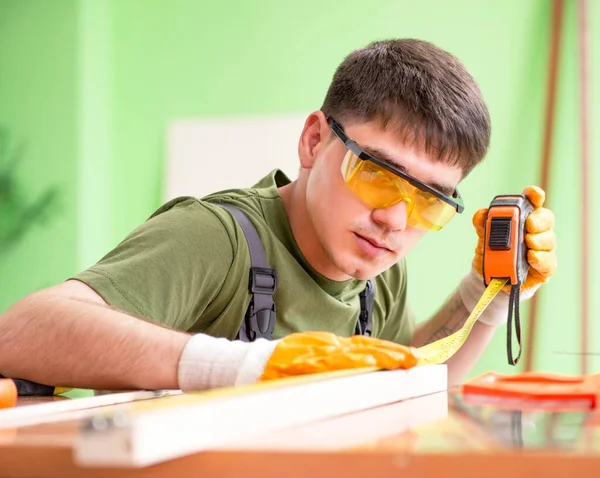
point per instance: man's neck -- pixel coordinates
(294, 202)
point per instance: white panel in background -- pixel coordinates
(205, 155)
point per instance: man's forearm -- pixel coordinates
(449, 319)
(61, 341)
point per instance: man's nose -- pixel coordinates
(394, 217)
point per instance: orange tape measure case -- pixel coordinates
(505, 251)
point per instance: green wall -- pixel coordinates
(122, 69)
(38, 42)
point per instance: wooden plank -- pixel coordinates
(56, 410)
(172, 427)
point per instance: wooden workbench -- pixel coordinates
(433, 436)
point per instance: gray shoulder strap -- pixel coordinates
(262, 284)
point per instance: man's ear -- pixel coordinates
(315, 135)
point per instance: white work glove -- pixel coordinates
(209, 362)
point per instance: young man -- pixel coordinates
(401, 125)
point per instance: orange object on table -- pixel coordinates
(556, 389)
(8, 393)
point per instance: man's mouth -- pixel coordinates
(375, 243)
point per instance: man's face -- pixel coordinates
(357, 240)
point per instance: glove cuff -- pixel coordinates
(471, 288)
(210, 362)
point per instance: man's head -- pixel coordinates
(402, 103)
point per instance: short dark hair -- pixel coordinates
(422, 91)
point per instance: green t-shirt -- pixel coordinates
(187, 268)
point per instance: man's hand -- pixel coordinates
(539, 237)
(316, 352)
(541, 256)
(209, 362)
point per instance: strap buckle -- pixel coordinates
(261, 314)
(262, 280)
(364, 325)
(260, 324)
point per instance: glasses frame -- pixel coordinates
(455, 201)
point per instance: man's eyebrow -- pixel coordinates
(386, 158)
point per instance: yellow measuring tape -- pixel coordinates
(441, 350)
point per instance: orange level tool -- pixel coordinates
(534, 390)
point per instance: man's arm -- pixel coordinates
(450, 318)
(67, 335)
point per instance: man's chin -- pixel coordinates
(366, 271)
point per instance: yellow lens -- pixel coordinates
(431, 213)
(380, 188)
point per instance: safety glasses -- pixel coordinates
(380, 185)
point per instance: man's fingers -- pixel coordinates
(543, 241)
(479, 218)
(479, 248)
(543, 262)
(536, 195)
(478, 264)
(539, 220)
(479, 222)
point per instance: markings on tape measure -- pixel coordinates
(441, 350)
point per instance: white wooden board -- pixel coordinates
(145, 434)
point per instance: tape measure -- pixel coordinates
(504, 263)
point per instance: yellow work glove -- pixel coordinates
(317, 352)
(540, 239)
(541, 256)
(212, 362)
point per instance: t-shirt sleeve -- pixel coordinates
(398, 321)
(170, 269)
